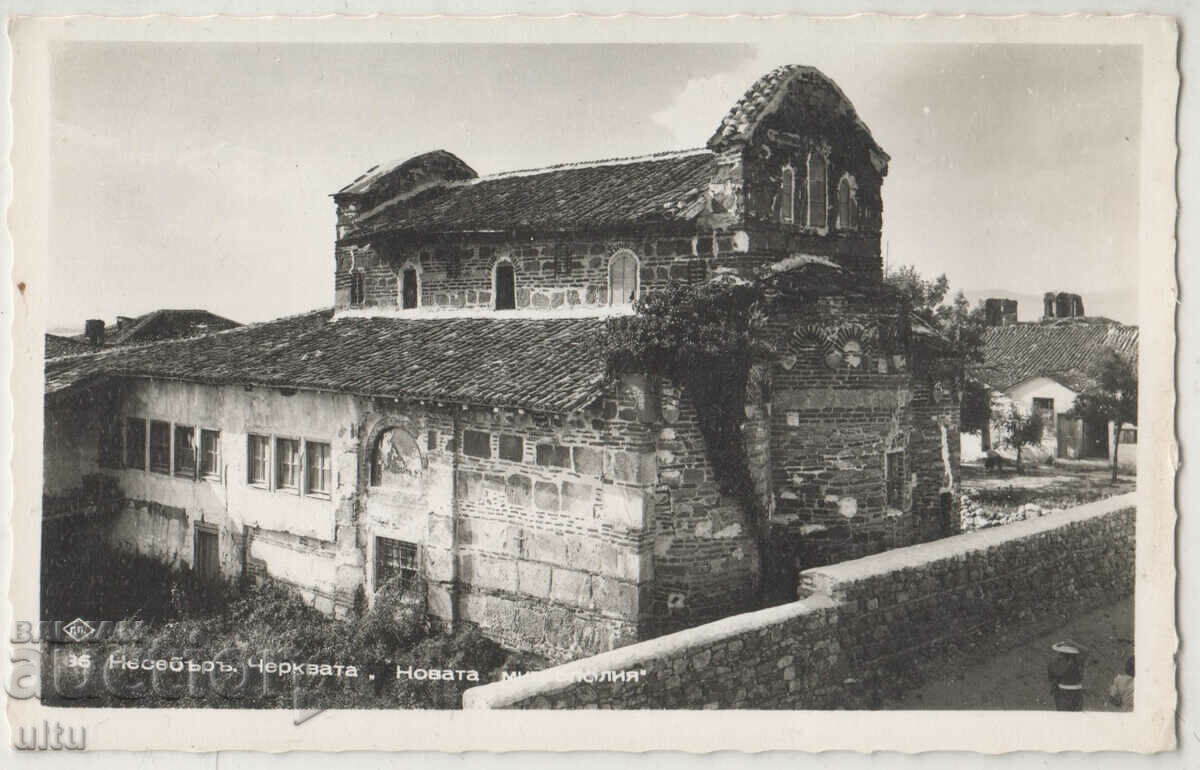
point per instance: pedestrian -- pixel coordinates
(1120, 694)
(1066, 676)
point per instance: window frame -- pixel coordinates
(175, 469)
(416, 271)
(145, 442)
(503, 262)
(500, 438)
(401, 547)
(250, 461)
(305, 461)
(169, 469)
(216, 473)
(637, 277)
(853, 215)
(278, 486)
(358, 278)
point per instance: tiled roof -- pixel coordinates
(550, 365)
(168, 324)
(764, 96)
(58, 345)
(670, 187)
(1063, 350)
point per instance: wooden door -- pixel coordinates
(208, 558)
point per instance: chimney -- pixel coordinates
(93, 329)
(1048, 305)
(1000, 312)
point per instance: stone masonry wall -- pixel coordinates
(551, 273)
(859, 624)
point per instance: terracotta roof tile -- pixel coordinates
(1063, 350)
(671, 187)
(550, 364)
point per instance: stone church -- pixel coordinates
(450, 423)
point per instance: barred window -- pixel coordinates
(358, 287)
(395, 560)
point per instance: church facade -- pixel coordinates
(449, 423)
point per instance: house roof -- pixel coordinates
(766, 95)
(58, 345)
(550, 364)
(668, 187)
(166, 324)
(1063, 350)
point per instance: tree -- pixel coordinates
(1113, 398)
(962, 325)
(1018, 428)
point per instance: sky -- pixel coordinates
(199, 175)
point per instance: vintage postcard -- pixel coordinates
(762, 382)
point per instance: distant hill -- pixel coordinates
(1117, 304)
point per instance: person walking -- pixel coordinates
(1065, 673)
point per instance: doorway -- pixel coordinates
(207, 562)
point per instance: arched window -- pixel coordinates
(395, 460)
(622, 278)
(787, 194)
(847, 204)
(504, 286)
(818, 192)
(410, 288)
(357, 287)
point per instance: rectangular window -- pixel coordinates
(110, 442)
(319, 468)
(258, 461)
(357, 287)
(185, 451)
(210, 453)
(512, 448)
(431, 440)
(477, 443)
(160, 446)
(895, 479)
(395, 560)
(287, 463)
(135, 443)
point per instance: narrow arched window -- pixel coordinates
(622, 278)
(357, 287)
(504, 287)
(410, 289)
(847, 205)
(818, 191)
(787, 195)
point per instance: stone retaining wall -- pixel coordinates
(859, 624)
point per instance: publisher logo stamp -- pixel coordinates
(78, 629)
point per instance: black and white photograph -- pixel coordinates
(437, 373)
